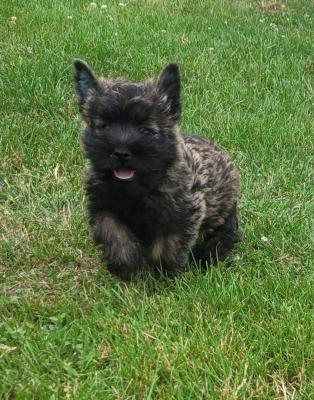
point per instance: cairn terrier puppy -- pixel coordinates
(155, 196)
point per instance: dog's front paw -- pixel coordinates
(124, 272)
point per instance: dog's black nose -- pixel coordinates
(121, 154)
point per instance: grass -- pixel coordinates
(68, 329)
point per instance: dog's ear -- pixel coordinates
(86, 82)
(168, 89)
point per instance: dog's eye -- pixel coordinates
(148, 131)
(145, 131)
(102, 126)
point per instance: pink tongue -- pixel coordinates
(123, 174)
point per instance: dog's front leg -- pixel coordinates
(122, 252)
(172, 252)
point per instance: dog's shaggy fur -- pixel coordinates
(154, 196)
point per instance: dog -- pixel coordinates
(155, 197)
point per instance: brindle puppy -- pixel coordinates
(154, 195)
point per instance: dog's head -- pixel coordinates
(130, 137)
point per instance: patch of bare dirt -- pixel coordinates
(272, 6)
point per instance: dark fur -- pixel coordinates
(185, 187)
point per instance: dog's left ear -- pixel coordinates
(85, 80)
(168, 89)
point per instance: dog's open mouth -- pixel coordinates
(124, 174)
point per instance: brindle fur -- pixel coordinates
(184, 196)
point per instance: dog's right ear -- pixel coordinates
(168, 88)
(86, 82)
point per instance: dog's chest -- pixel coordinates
(145, 224)
(141, 219)
(148, 218)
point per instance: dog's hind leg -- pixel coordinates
(216, 244)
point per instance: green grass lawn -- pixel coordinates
(68, 329)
